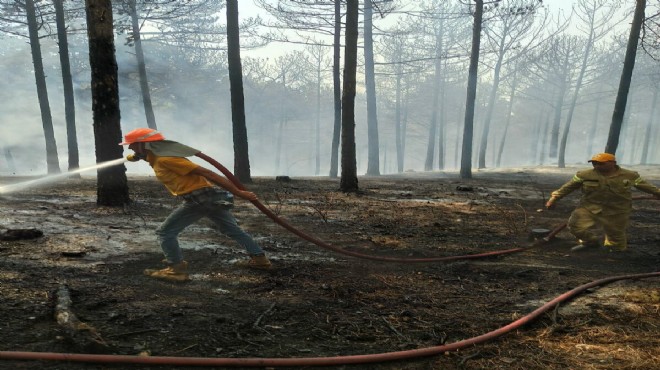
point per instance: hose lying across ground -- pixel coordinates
(328, 361)
(328, 246)
(325, 245)
(317, 361)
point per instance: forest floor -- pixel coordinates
(316, 302)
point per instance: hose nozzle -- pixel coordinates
(134, 157)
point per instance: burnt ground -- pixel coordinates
(316, 302)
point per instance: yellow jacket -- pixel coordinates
(607, 194)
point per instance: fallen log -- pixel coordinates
(82, 335)
(20, 234)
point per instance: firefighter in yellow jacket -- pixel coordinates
(606, 202)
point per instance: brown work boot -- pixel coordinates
(260, 262)
(175, 272)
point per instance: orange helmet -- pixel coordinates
(142, 135)
(603, 157)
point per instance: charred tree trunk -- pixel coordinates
(336, 82)
(626, 76)
(430, 149)
(241, 153)
(317, 131)
(491, 103)
(373, 159)
(52, 159)
(569, 117)
(466, 153)
(67, 83)
(112, 185)
(142, 69)
(399, 136)
(349, 180)
(559, 105)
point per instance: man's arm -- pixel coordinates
(646, 187)
(564, 190)
(224, 183)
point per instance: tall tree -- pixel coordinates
(439, 42)
(241, 153)
(112, 184)
(318, 55)
(399, 52)
(512, 94)
(52, 159)
(468, 133)
(626, 76)
(649, 127)
(142, 68)
(336, 83)
(650, 40)
(510, 29)
(176, 23)
(556, 67)
(439, 29)
(596, 26)
(349, 180)
(288, 70)
(373, 159)
(320, 16)
(67, 83)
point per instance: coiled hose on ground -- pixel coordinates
(316, 361)
(326, 361)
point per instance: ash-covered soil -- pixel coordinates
(316, 302)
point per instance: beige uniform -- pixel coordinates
(606, 201)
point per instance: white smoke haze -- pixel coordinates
(191, 103)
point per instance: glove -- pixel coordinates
(134, 157)
(550, 204)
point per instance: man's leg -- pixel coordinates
(581, 224)
(226, 223)
(615, 227)
(169, 230)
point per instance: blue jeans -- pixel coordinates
(212, 203)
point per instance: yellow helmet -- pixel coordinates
(603, 157)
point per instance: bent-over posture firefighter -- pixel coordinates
(196, 185)
(606, 202)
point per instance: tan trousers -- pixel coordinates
(582, 225)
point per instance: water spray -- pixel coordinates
(52, 178)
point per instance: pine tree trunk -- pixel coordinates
(336, 83)
(466, 153)
(241, 153)
(373, 159)
(349, 180)
(67, 83)
(626, 76)
(142, 69)
(112, 185)
(52, 159)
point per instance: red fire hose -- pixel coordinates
(317, 361)
(328, 246)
